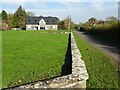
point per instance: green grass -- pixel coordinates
(31, 55)
(103, 73)
(0, 58)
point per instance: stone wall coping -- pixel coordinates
(78, 65)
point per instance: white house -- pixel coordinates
(42, 23)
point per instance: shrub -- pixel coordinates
(108, 30)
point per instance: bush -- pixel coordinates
(108, 30)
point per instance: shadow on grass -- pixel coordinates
(15, 87)
(67, 67)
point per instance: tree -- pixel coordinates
(15, 21)
(92, 21)
(68, 20)
(10, 20)
(29, 13)
(69, 23)
(111, 18)
(4, 15)
(19, 18)
(61, 25)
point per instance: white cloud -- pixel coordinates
(78, 15)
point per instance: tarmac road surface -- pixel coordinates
(108, 47)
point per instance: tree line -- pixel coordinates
(108, 28)
(18, 20)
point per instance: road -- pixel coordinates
(106, 46)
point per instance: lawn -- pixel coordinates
(0, 58)
(103, 72)
(32, 55)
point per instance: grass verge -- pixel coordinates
(31, 55)
(103, 73)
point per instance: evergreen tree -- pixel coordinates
(10, 20)
(4, 15)
(19, 18)
(15, 21)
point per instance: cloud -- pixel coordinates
(79, 11)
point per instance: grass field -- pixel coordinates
(0, 58)
(31, 55)
(103, 73)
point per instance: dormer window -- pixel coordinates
(29, 20)
(35, 20)
(53, 20)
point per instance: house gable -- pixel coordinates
(42, 22)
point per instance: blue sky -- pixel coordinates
(79, 11)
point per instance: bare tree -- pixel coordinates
(69, 23)
(68, 20)
(29, 13)
(111, 18)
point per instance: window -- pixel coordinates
(29, 20)
(35, 20)
(53, 20)
(32, 27)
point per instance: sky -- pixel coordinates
(79, 10)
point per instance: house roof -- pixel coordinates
(48, 20)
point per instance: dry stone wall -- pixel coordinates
(77, 79)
